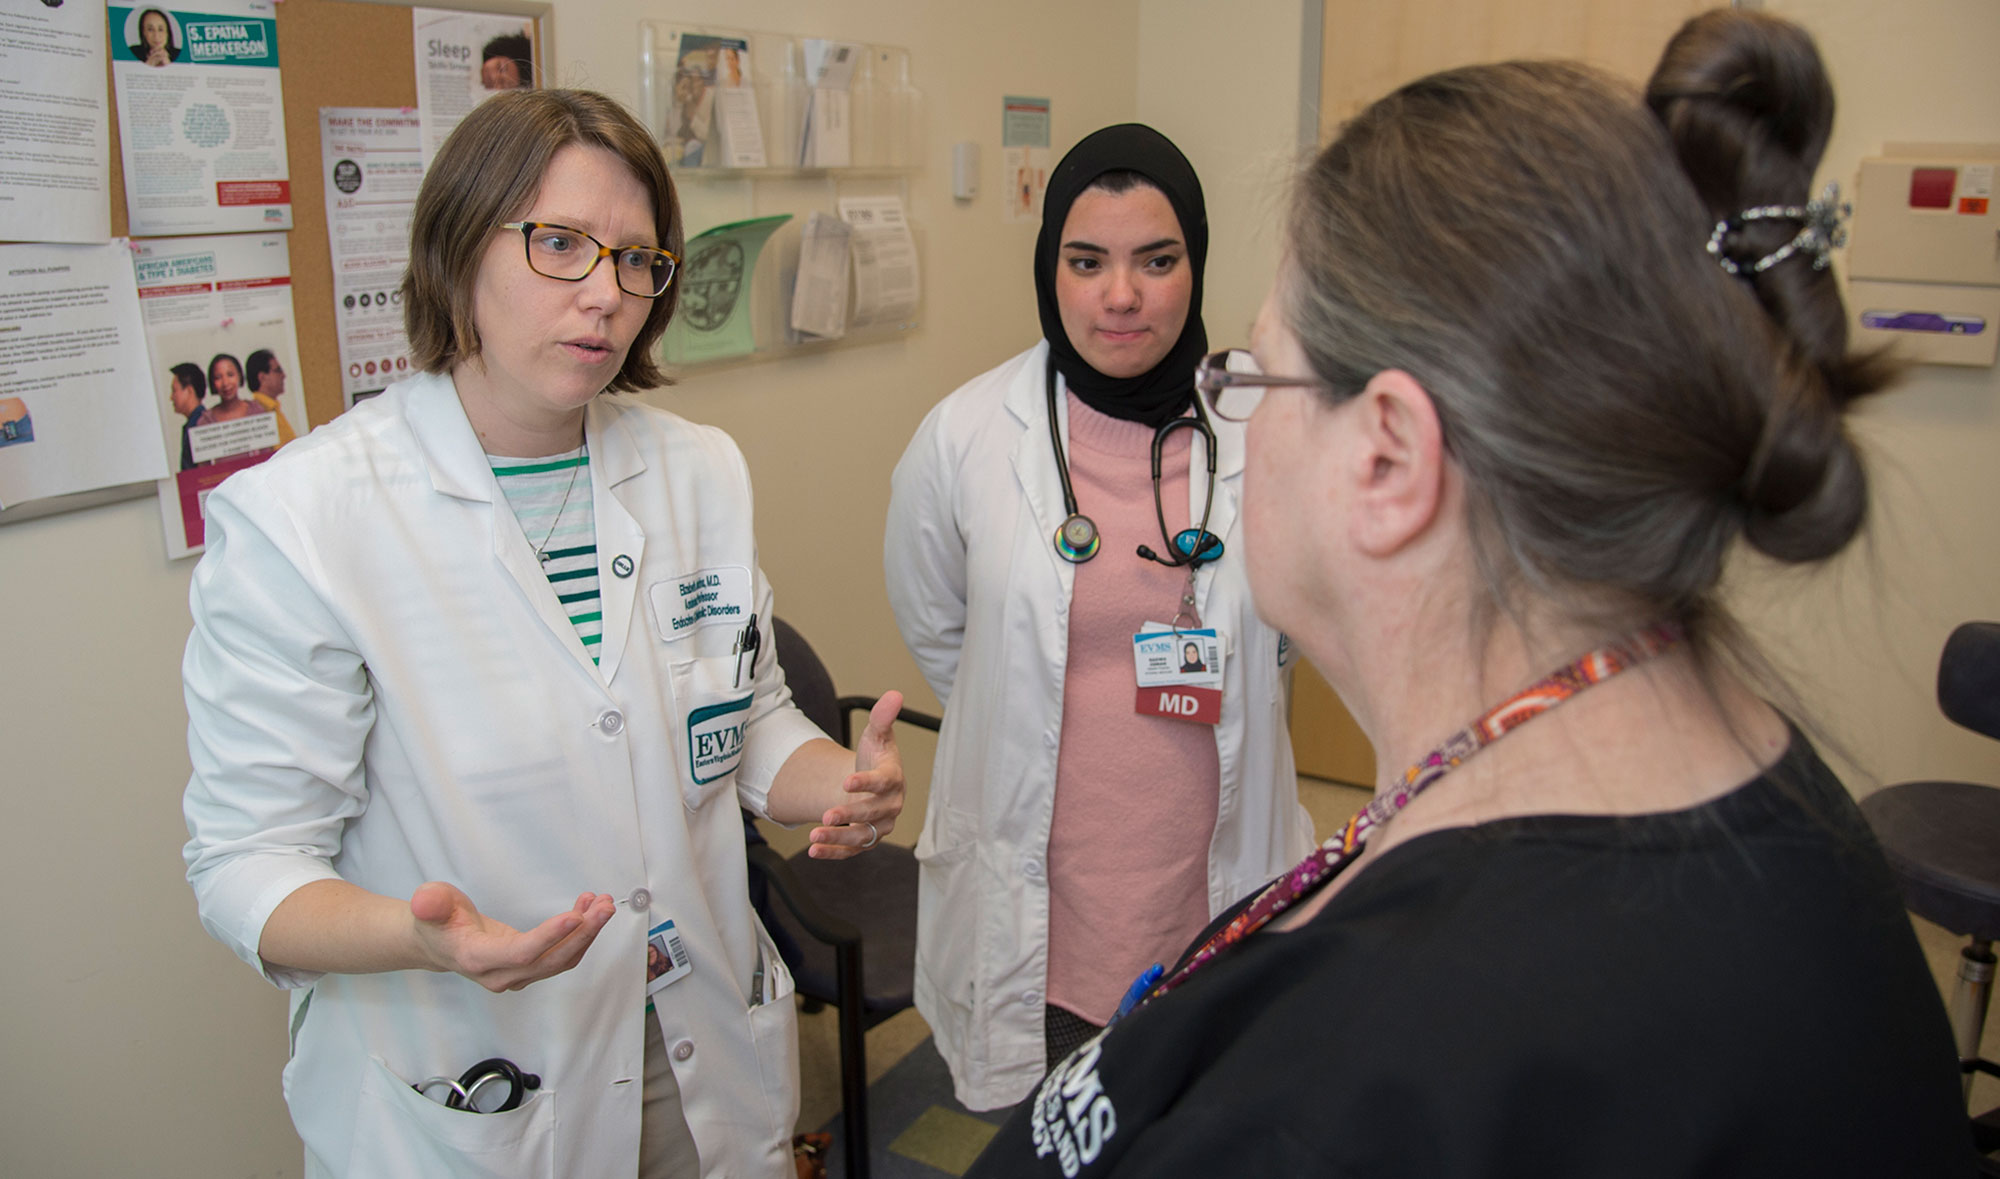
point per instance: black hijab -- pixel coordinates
(1165, 391)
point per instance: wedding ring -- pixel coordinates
(874, 836)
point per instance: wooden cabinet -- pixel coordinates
(1369, 49)
(1326, 743)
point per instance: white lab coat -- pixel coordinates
(383, 687)
(983, 603)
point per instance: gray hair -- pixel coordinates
(1525, 240)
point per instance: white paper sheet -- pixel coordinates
(371, 160)
(463, 59)
(819, 299)
(217, 304)
(55, 135)
(828, 138)
(74, 410)
(885, 260)
(736, 125)
(201, 119)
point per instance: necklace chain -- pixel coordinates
(542, 550)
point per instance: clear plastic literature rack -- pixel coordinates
(792, 156)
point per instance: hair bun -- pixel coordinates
(1747, 105)
(1804, 491)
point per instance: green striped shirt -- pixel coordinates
(551, 500)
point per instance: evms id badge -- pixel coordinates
(666, 957)
(1179, 673)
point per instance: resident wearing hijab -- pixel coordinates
(1085, 821)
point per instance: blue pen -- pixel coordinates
(1140, 986)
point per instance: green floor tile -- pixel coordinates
(945, 1139)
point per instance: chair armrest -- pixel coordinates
(849, 705)
(813, 919)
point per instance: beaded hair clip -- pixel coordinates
(1825, 229)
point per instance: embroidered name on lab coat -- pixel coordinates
(718, 596)
(715, 739)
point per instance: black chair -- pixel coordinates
(851, 924)
(1943, 844)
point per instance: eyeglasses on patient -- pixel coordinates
(559, 252)
(1233, 385)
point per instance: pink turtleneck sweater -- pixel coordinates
(1135, 795)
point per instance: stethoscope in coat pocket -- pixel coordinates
(472, 1091)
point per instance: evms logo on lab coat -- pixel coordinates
(715, 739)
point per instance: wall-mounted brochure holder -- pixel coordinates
(724, 100)
(792, 156)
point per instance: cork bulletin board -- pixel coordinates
(333, 53)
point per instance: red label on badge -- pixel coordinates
(1179, 702)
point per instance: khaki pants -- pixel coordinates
(666, 1145)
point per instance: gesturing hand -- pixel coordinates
(455, 936)
(875, 789)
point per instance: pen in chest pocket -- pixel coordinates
(747, 643)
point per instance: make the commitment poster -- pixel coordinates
(201, 118)
(372, 161)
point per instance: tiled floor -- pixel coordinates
(916, 1129)
(919, 1132)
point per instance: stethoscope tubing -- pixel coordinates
(1203, 542)
(1198, 546)
(465, 1089)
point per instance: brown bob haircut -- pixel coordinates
(487, 172)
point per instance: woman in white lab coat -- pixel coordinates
(1076, 832)
(463, 722)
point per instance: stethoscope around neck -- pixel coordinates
(1078, 540)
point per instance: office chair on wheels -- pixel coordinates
(847, 928)
(1942, 840)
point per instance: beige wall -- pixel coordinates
(1233, 112)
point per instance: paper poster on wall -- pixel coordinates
(201, 118)
(463, 59)
(1024, 156)
(224, 378)
(74, 414)
(55, 138)
(713, 320)
(371, 160)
